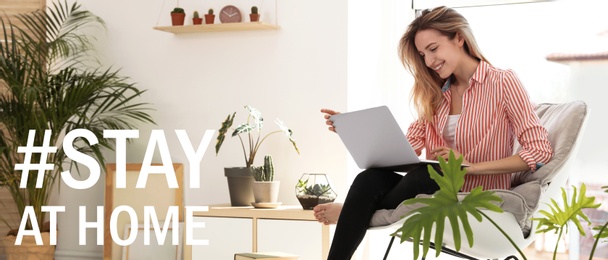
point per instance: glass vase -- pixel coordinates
(313, 189)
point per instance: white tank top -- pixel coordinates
(449, 131)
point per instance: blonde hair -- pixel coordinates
(426, 92)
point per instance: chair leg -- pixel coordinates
(388, 249)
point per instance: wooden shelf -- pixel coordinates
(218, 27)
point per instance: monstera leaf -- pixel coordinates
(444, 204)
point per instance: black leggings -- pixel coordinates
(374, 189)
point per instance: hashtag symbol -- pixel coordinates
(30, 149)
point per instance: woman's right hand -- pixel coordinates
(329, 113)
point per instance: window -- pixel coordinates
(424, 4)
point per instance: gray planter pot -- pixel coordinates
(240, 185)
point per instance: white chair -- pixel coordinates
(530, 192)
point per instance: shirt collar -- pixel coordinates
(479, 75)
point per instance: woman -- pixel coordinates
(464, 104)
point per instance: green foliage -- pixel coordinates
(253, 141)
(445, 204)
(317, 190)
(178, 10)
(571, 211)
(52, 81)
(254, 9)
(195, 15)
(210, 11)
(265, 172)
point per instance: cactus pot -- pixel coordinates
(209, 18)
(197, 20)
(254, 17)
(240, 185)
(266, 191)
(177, 18)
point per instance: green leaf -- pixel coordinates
(243, 128)
(223, 130)
(258, 121)
(569, 211)
(444, 205)
(288, 133)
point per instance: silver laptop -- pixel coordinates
(375, 140)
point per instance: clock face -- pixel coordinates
(230, 14)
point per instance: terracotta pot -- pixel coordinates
(177, 18)
(254, 17)
(209, 18)
(197, 20)
(28, 250)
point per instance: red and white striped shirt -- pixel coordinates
(495, 109)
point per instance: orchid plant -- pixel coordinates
(254, 140)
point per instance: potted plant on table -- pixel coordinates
(265, 188)
(178, 16)
(313, 189)
(254, 16)
(196, 19)
(50, 87)
(240, 179)
(209, 17)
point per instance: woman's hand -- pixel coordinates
(444, 152)
(329, 113)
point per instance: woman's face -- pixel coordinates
(439, 53)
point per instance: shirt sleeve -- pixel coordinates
(416, 134)
(532, 136)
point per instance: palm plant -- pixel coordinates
(48, 83)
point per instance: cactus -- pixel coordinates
(195, 15)
(254, 9)
(210, 11)
(265, 172)
(178, 10)
(268, 168)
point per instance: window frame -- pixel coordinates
(425, 4)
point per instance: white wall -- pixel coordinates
(331, 59)
(194, 81)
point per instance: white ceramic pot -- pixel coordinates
(266, 191)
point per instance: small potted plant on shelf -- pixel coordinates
(265, 188)
(178, 16)
(209, 17)
(313, 189)
(240, 179)
(254, 16)
(196, 19)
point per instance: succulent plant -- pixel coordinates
(266, 172)
(317, 190)
(254, 9)
(210, 11)
(195, 15)
(178, 10)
